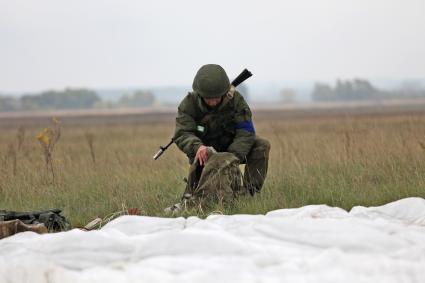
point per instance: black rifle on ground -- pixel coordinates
(237, 81)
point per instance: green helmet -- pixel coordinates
(211, 81)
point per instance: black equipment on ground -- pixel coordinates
(51, 218)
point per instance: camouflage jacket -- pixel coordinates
(227, 128)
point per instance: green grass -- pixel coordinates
(340, 162)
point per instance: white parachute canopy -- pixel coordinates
(315, 243)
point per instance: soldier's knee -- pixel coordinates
(263, 145)
(260, 149)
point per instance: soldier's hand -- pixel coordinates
(202, 155)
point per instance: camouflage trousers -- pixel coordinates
(257, 163)
(221, 179)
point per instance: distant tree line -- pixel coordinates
(358, 90)
(9, 104)
(72, 99)
(67, 99)
(49, 100)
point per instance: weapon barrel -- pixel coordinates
(162, 149)
(158, 154)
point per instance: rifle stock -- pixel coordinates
(241, 77)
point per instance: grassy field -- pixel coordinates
(104, 166)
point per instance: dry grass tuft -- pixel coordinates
(47, 140)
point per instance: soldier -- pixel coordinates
(215, 117)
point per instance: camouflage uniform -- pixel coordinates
(227, 128)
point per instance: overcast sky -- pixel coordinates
(122, 43)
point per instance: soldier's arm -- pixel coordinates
(184, 135)
(245, 132)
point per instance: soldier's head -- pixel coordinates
(211, 83)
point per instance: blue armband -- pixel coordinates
(246, 125)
